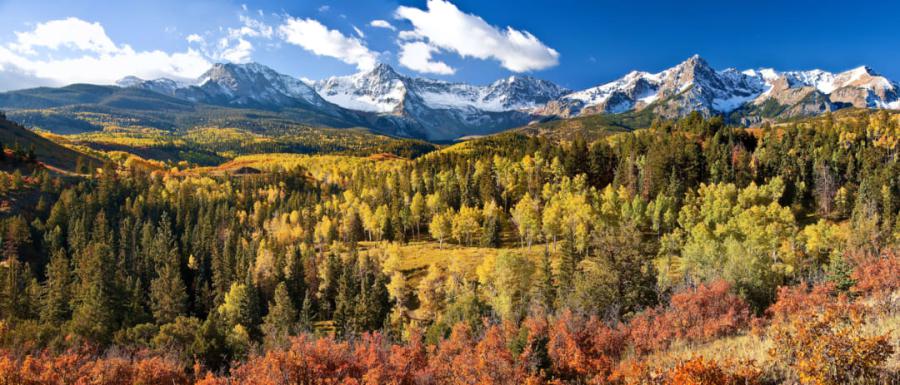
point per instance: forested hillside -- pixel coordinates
(690, 252)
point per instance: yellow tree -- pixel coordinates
(527, 217)
(466, 224)
(440, 227)
(432, 291)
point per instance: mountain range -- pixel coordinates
(391, 103)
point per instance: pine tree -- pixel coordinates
(306, 314)
(345, 302)
(168, 293)
(545, 292)
(57, 291)
(211, 345)
(567, 268)
(281, 321)
(93, 315)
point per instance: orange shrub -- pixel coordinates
(701, 314)
(698, 371)
(878, 276)
(827, 346)
(82, 369)
(581, 348)
(795, 299)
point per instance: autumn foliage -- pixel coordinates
(695, 315)
(75, 367)
(792, 300)
(878, 276)
(827, 344)
(699, 371)
(584, 348)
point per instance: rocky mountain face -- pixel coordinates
(250, 85)
(400, 105)
(751, 95)
(443, 110)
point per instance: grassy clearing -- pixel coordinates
(417, 256)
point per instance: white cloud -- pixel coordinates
(235, 46)
(105, 69)
(409, 35)
(324, 8)
(382, 24)
(33, 59)
(444, 26)
(359, 32)
(195, 39)
(417, 57)
(311, 35)
(251, 28)
(65, 33)
(237, 53)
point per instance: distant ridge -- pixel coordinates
(388, 102)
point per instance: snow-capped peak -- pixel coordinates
(255, 83)
(161, 85)
(383, 90)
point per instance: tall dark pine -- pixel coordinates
(94, 314)
(168, 292)
(57, 291)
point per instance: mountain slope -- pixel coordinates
(390, 103)
(47, 151)
(442, 110)
(755, 94)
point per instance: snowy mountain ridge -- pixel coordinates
(384, 90)
(440, 110)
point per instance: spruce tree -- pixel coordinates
(281, 322)
(57, 290)
(168, 293)
(94, 312)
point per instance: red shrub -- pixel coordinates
(698, 371)
(794, 299)
(580, 348)
(878, 276)
(701, 314)
(77, 368)
(308, 361)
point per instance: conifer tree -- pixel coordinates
(168, 293)
(57, 290)
(281, 321)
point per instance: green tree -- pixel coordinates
(508, 278)
(168, 293)
(281, 322)
(57, 290)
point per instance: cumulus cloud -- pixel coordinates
(445, 27)
(238, 52)
(417, 57)
(382, 24)
(195, 39)
(91, 57)
(71, 33)
(235, 46)
(251, 28)
(312, 36)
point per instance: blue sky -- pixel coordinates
(577, 44)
